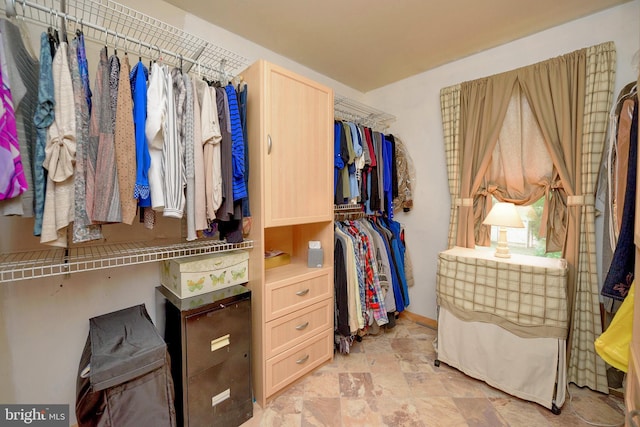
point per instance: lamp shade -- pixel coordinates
(504, 214)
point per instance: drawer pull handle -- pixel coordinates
(302, 360)
(302, 293)
(302, 326)
(218, 343)
(221, 397)
(269, 144)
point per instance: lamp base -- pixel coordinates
(502, 250)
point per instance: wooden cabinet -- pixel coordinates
(209, 341)
(290, 136)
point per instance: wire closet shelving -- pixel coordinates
(353, 111)
(120, 27)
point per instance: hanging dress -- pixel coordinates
(125, 145)
(99, 96)
(106, 199)
(83, 229)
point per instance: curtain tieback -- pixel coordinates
(464, 202)
(581, 200)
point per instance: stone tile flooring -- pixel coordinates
(389, 379)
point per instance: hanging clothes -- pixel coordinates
(211, 137)
(242, 108)
(83, 66)
(22, 72)
(42, 119)
(200, 205)
(125, 145)
(156, 107)
(138, 79)
(225, 211)
(237, 147)
(621, 272)
(229, 215)
(189, 159)
(12, 178)
(172, 150)
(83, 229)
(60, 156)
(106, 197)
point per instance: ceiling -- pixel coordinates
(366, 44)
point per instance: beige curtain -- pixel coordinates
(450, 107)
(557, 91)
(586, 368)
(483, 105)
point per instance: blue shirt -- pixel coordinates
(138, 79)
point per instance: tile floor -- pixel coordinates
(390, 380)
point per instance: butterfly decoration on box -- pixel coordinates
(195, 285)
(219, 279)
(239, 274)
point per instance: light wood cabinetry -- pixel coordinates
(290, 134)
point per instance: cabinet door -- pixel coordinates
(299, 155)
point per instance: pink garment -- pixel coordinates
(12, 179)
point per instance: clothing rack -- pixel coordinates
(357, 112)
(348, 212)
(121, 27)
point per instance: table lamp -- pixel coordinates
(503, 215)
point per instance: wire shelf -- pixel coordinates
(125, 29)
(52, 262)
(121, 27)
(354, 111)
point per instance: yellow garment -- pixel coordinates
(613, 344)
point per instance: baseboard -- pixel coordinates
(425, 321)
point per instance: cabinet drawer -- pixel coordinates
(286, 367)
(288, 296)
(221, 395)
(295, 328)
(214, 336)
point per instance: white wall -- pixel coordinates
(415, 102)
(44, 322)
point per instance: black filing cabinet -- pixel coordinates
(209, 341)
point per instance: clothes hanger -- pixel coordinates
(106, 49)
(80, 31)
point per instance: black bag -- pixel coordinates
(124, 377)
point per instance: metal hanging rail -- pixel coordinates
(127, 30)
(354, 111)
(121, 27)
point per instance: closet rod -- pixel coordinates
(148, 33)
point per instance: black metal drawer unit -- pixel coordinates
(209, 341)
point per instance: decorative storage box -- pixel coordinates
(190, 276)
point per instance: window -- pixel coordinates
(526, 241)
